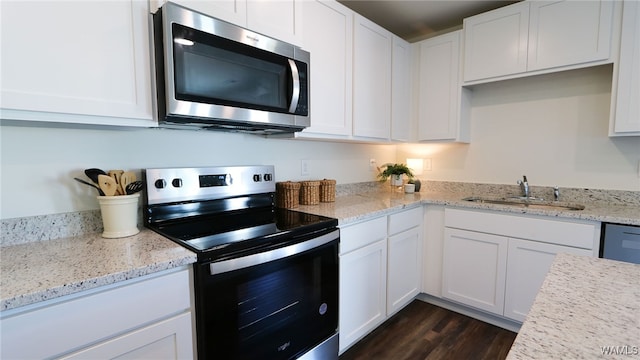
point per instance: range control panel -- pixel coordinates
(166, 185)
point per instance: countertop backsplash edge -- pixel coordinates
(55, 226)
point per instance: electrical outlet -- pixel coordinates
(426, 164)
(304, 167)
(372, 165)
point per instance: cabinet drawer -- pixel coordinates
(359, 235)
(580, 234)
(405, 220)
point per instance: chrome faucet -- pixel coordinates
(524, 185)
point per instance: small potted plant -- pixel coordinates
(395, 172)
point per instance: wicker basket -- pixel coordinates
(287, 194)
(310, 192)
(327, 190)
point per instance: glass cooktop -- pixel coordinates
(224, 234)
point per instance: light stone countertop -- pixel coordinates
(358, 207)
(586, 308)
(44, 270)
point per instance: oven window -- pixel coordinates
(276, 310)
(214, 70)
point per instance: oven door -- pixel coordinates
(273, 305)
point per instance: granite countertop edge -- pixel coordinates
(36, 272)
(371, 205)
(586, 308)
(19, 288)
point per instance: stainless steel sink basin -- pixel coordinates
(527, 203)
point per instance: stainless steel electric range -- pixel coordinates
(266, 279)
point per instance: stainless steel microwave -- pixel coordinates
(215, 75)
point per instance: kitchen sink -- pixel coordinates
(530, 203)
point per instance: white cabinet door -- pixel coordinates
(432, 249)
(568, 32)
(404, 268)
(371, 80)
(474, 269)
(401, 91)
(496, 42)
(363, 289)
(165, 340)
(328, 37)
(626, 115)
(528, 265)
(280, 19)
(233, 11)
(440, 90)
(85, 62)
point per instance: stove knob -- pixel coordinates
(176, 182)
(268, 177)
(160, 184)
(257, 178)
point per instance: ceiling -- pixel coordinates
(413, 20)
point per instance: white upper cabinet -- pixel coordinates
(329, 39)
(625, 105)
(537, 35)
(401, 90)
(279, 19)
(233, 11)
(440, 92)
(496, 42)
(371, 80)
(82, 62)
(568, 32)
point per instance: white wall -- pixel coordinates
(38, 164)
(552, 128)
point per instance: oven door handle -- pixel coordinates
(268, 256)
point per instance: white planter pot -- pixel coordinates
(396, 180)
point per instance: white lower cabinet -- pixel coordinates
(167, 339)
(363, 279)
(474, 269)
(404, 272)
(496, 262)
(380, 271)
(528, 265)
(148, 317)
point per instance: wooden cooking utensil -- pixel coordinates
(116, 174)
(127, 178)
(108, 185)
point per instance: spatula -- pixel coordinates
(134, 187)
(115, 175)
(107, 184)
(127, 178)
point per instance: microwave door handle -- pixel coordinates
(295, 77)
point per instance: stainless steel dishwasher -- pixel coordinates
(620, 242)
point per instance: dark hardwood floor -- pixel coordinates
(425, 331)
